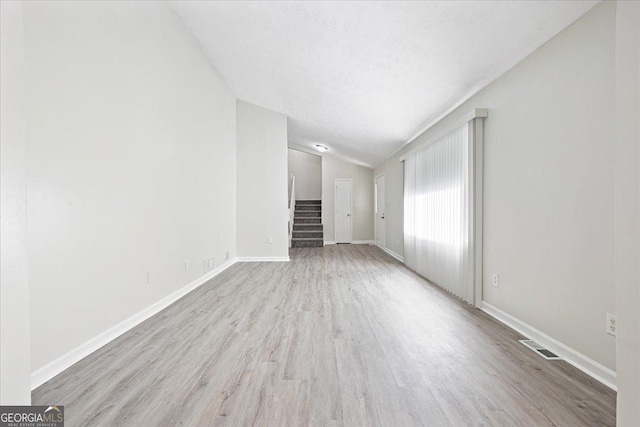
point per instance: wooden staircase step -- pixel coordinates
(300, 207)
(301, 214)
(307, 227)
(298, 242)
(308, 234)
(308, 231)
(307, 220)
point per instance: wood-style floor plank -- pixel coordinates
(340, 336)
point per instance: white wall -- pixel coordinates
(15, 339)
(548, 186)
(307, 168)
(131, 165)
(627, 211)
(262, 183)
(362, 189)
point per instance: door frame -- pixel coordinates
(375, 212)
(335, 209)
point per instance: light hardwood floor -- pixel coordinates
(341, 335)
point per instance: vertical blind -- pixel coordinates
(437, 213)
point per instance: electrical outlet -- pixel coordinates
(207, 264)
(186, 264)
(149, 277)
(611, 324)
(270, 240)
(226, 256)
(496, 280)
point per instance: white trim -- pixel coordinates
(263, 259)
(590, 367)
(305, 150)
(477, 145)
(475, 113)
(393, 254)
(50, 370)
(329, 242)
(375, 208)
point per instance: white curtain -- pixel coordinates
(437, 213)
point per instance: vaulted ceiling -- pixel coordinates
(364, 77)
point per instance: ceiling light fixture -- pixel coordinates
(321, 148)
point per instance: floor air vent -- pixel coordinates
(540, 350)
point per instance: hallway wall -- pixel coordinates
(362, 196)
(262, 184)
(15, 338)
(548, 186)
(307, 168)
(131, 166)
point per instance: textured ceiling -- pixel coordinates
(364, 77)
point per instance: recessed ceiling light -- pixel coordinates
(321, 148)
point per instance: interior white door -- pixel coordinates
(343, 220)
(380, 212)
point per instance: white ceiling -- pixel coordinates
(364, 77)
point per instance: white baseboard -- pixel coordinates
(263, 259)
(50, 370)
(590, 367)
(329, 242)
(393, 254)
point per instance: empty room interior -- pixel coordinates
(320, 213)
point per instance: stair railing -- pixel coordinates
(292, 205)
